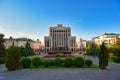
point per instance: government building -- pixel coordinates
(60, 40)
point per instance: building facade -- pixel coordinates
(60, 40)
(35, 45)
(107, 38)
(16, 42)
(81, 45)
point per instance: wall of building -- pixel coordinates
(58, 39)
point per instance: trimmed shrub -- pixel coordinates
(68, 62)
(78, 61)
(52, 62)
(103, 56)
(58, 62)
(13, 58)
(26, 62)
(37, 61)
(2, 60)
(46, 63)
(88, 62)
(116, 59)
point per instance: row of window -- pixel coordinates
(59, 30)
(60, 35)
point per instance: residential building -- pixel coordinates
(107, 38)
(81, 45)
(16, 42)
(60, 40)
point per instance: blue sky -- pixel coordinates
(32, 18)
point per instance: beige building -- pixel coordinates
(60, 40)
(81, 44)
(35, 45)
(16, 42)
(107, 38)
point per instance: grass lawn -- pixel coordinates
(111, 60)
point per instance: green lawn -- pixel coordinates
(111, 60)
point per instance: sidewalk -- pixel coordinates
(2, 68)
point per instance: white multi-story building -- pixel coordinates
(16, 42)
(60, 40)
(107, 38)
(35, 45)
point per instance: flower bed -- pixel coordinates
(53, 56)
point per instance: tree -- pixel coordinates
(2, 47)
(103, 56)
(13, 58)
(28, 50)
(22, 51)
(92, 49)
(117, 48)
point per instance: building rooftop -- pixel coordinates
(111, 34)
(1, 34)
(19, 39)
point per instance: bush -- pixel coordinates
(88, 62)
(78, 61)
(68, 62)
(26, 62)
(52, 62)
(58, 62)
(46, 63)
(13, 58)
(2, 60)
(37, 61)
(116, 59)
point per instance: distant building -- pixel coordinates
(60, 40)
(107, 38)
(81, 44)
(16, 42)
(35, 45)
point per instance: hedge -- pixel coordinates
(88, 62)
(79, 61)
(26, 62)
(37, 61)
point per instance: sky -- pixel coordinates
(32, 18)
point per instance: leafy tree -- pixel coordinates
(2, 47)
(22, 51)
(117, 48)
(103, 56)
(13, 58)
(92, 49)
(28, 50)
